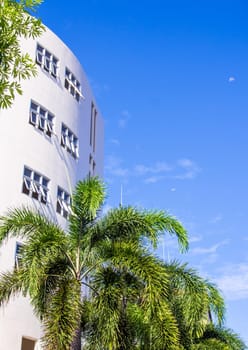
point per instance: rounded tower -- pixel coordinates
(50, 138)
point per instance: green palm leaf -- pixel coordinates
(100, 277)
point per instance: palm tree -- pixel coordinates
(136, 306)
(199, 309)
(59, 267)
(188, 296)
(219, 338)
(192, 299)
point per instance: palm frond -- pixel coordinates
(61, 321)
(130, 223)
(210, 344)
(191, 298)
(88, 198)
(87, 201)
(136, 301)
(224, 335)
(217, 304)
(47, 282)
(163, 327)
(23, 222)
(12, 284)
(162, 222)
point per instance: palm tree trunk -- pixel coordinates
(76, 344)
(77, 341)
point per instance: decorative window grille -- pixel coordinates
(35, 185)
(92, 166)
(93, 121)
(18, 254)
(63, 203)
(47, 61)
(41, 118)
(69, 141)
(72, 85)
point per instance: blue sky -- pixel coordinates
(171, 80)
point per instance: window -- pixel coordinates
(72, 85)
(92, 166)
(35, 185)
(69, 141)
(47, 61)
(63, 203)
(28, 344)
(18, 254)
(93, 127)
(41, 118)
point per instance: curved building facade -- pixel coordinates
(51, 138)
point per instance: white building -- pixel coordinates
(49, 139)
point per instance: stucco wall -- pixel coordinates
(23, 144)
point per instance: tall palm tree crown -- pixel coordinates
(98, 281)
(59, 268)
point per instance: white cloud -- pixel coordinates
(191, 169)
(210, 250)
(162, 168)
(154, 172)
(185, 163)
(231, 79)
(173, 189)
(234, 281)
(158, 167)
(113, 167)
(194, 239)
(210, 259)
(120, 172)
(122, 123)
(141, 169)
(216, 219)
(123, 120)
(153, 179)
